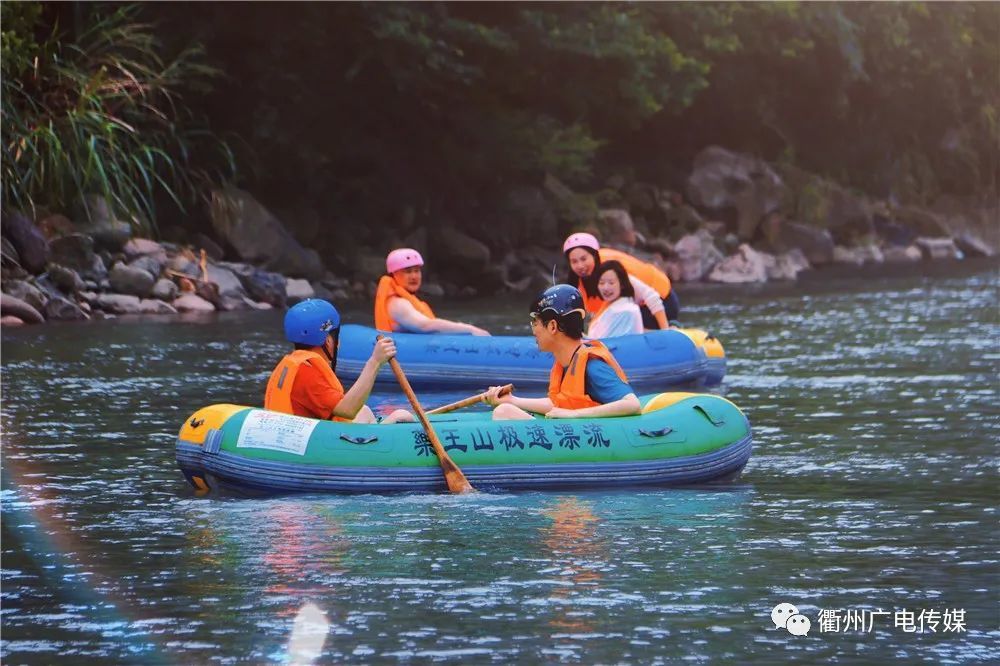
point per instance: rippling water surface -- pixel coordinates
(873, 485)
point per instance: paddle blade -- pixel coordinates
(457, 483)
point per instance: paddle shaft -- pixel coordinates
(471, 400)
(453, 476)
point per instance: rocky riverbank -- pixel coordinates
(739, 220)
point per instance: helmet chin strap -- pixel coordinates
(335, 336)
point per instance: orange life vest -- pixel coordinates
(592, 304)
(567, 387)
(599, 311)
(388, 289)
(647, 273)
(278, 396)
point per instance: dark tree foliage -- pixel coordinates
(98, 108)
(361, 110)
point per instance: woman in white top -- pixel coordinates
(620, 314)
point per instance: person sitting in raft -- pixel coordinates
(397, 307)
(619, 315)
(586, 380)
(305, 383)
(658, 301)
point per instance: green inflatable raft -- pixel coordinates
(679, 439)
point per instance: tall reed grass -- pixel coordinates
(103, 112)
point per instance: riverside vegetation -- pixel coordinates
(481, 134)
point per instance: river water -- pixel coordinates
(870, 501)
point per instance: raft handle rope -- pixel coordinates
(662, 432)
(718, 422)
(360, 440)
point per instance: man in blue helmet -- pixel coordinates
(586, 380)
(305, 384)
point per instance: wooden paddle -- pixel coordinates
(453, 476)
(471, 400)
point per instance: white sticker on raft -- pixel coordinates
(279, 432)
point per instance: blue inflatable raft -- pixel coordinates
(658, 360)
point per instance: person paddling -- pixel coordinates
(654, 293)
(305, 383)
(397, 307)
(619, 315)
(585, 381)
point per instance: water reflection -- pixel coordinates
(577, 551)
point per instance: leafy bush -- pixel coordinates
(102, 113)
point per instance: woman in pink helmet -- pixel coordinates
(397, 307)
(653, 290)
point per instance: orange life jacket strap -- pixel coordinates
(568, 388)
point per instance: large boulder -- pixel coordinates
(786, 266)
(824, 204)
(782, 236)
(746, 265)
(525, 215)
(139, 247)
(461, 253)
(920, 222)
(99, 222)
(696, 255)
(29, 241)
(895, 254)
(56, 225)
(68, 280)
(369, 267)
(576, 211)
(180, 263)
(61, 308)
(164, 290)
(973, 246)
(131, 280)
(117, 303)
(15, 307)
(723, 180)
(231, 295)
(146, 254)
(618, 226)
(266, 287)
(153, 306)
(938, 248)
(192, 303)
(151, 263)
(972, 219)
(27, 292)
(76, 251)
(298, 290)
(858, 255)
(259, 237)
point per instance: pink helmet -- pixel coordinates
(581, 239)
(404, 257)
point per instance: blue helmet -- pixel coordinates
(561, 300)
(310, 321)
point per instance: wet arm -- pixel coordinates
(411, 320)
(625, 406)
